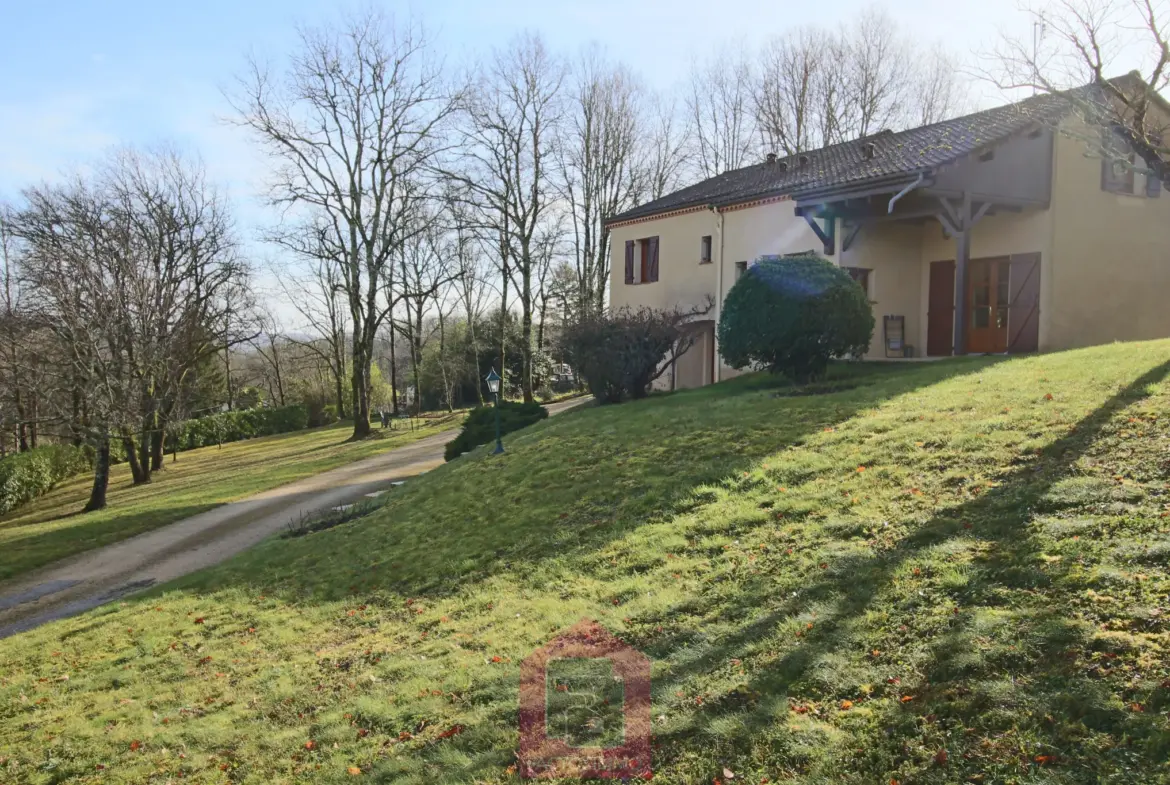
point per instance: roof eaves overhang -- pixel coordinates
(861, 189)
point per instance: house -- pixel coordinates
(1003, 231)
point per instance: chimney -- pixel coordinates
(783, 166)
(771, 158)
(868, 151)
(804, 160)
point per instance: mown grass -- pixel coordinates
(52, 527)
(954, 572)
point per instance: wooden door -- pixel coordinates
(940, 315)
(988, 299)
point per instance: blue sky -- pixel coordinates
(77, 77)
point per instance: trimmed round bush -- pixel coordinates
(792, 315)
(480, 425)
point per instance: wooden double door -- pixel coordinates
(1002, 309)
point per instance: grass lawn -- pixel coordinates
(952, 572)
(51, 527)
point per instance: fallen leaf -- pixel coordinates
(846, 705)
(728, 773)
(135, 745)
(907, 698)
(940, 757)
(354, 771)
(310, 744)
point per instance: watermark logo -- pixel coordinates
(585, 708)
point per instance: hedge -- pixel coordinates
(236, 426)
(480, 425)
(26, 475)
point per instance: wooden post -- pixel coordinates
(962, 255)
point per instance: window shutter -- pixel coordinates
(1024, 303)
(653, 275)
(629, 261)
(1153, 185)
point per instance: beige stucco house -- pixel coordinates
(998, 232)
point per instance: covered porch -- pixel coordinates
(953, 261)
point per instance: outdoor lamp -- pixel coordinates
(493, 383)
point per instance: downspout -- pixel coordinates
(717, 371)
(904, 191)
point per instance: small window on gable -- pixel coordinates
(861, 275)
(740, 269)
(1117, 164)
(705, 249)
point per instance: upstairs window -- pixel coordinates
(642, 260)
(705, 249)
(740, 269)
(1117, 164)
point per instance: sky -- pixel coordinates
(78, 77)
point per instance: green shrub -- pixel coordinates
(236, 426)
(480, 425)
(620, 354)
(27, 475)
(792, 315)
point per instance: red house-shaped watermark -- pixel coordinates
(545, 757)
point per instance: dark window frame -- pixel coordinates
(705, 249)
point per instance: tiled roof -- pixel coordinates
(902, 153)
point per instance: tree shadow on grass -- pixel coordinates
(1012, 684)
(582, 488)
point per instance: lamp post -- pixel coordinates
(493, 383)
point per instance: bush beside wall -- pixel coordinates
(480, 425)
(25, 476)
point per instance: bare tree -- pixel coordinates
(599, 171)
(1078, 43)
(720, 110)
(665, 154)
(132, 271)
(354, 126)
(935, 92)
(879, 75)
(790, 73)
(319, 298)
(271, 347)
(507, 147)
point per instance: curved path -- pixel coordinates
(96, 577)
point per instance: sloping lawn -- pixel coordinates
(953, 572)
(51, 527)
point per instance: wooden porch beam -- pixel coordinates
(847, 241)
(827, 235)
(963, 223)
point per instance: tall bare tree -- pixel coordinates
(599, 171)
(721, 113)
(790, 73)
(132, 270)
(354, 125)
(665, 152)
(1074, 43)
(507, 149)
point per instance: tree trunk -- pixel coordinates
(157, 447)
(101, 476)
(361, 391)
(443, 362)
(132, 458)
(526, 332)
(35, 416)
(393, 363)
(338, 369)
(21, 427)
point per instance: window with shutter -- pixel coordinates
(861, 275)
(629, 261)
(652, 266)
(705, 249)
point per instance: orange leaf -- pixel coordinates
(1048, 396)
(941, 757)
(354, 771)
(907, 698)
(860, 469)
(135, 745)
(199, 620)
(310, 744)
(846, 705)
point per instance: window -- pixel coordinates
(861, 275)
(642, 260)
(1117, 165)
(740, 269)
(705, 249)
